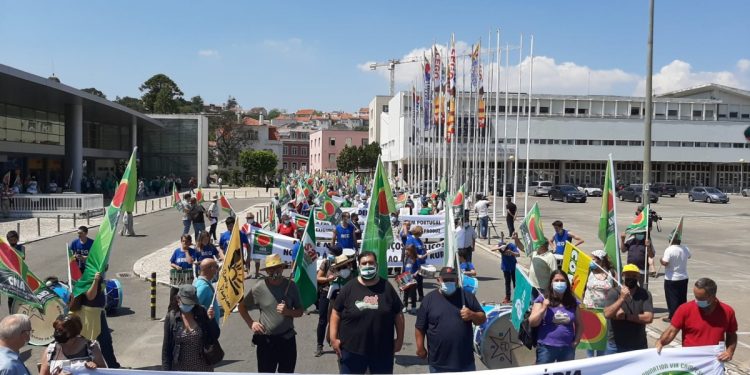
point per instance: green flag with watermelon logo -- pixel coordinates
(640, 223)
(594, 335)
(328, 210)
(676, 233)
(531, 230)
(305, 271)
(378, 235)
(457, 204)
(17, 280)
(224, 204)
(608, 219)
(129, 204)
(99, 254)
(262, 243)
(175, 197)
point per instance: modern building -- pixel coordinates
(697, 137)
(296, 154)
(377, 107)
(53, 133)
(325, 146)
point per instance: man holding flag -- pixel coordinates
(675, 272)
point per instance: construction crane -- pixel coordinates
(391, 66)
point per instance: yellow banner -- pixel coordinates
(576, 265)
(231, 286)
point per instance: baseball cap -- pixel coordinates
(188, 294)
(448, 273)
(631, 268)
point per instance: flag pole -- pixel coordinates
(497, 122)
(505, 127)
(528, 123)
(614, 212)
(67, 258)
(486, 129)
(518, 119)
(468, 128)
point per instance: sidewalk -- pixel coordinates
(35, 229)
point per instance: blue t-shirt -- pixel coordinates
(410, 266)
(81, 248)
(178, 258)
(466, 266)
(224, 240)
(508, 262)
(557, 327)
(208, 252)
(295, 249)
(417, 242)
(560, 241)
(345, 236)
(205, 292)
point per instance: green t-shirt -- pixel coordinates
(265, 297)
(425, 211)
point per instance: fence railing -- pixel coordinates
(55, 204)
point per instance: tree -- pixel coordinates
(258, 164)
(369, 156)
(94, 91)
(163, 90)
(272, 114)
(196, 103)
(231, 102)
(132, 103)
(348, 159)
(230, 138)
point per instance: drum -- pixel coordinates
(113, 295)
(496, 341)
(180, 277)
(42, 333)
(348, 252)
(471, 284)
(428, 271)
(405, 280)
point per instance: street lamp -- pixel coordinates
(742, 164)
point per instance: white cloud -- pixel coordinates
(208, 53)
(552, 77)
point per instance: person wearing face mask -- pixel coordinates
(343, 234)
(415, 238)
(204, 287)
(286, 227)
(600, 282)
(15, 333)
(247, 228)
(70, 350)
(365, 316)
(638, 247)
(187, 329)
(279, 303)
(81, 246)
(628, 311)
(543, 262)
(226, 236)
(703, 321)
(445, 318)
(325, 277)
(560, 324)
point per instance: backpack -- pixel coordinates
(527, 334)
(196, 213)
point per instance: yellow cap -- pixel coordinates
(631, 268)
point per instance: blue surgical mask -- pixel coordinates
(703, 304)
(186, 308)
(368, 272)
(559, 287)
(448, 287)
(592, 266)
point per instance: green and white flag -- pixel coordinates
(531, 230)
(608, 219)
(521, 298)
(378, 235)
(305, 271)
(676, 233)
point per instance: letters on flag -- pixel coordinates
(576, 265)
(521, 298)
(17, 280)
(231, 286)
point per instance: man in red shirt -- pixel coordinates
(704, 321)
(286, 227)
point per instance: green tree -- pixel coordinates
(132, 103)
(348, 159)
(160, 94)
(231, 102)
(94, 91)
(258, 164)
(369, 156)
(196, 103)
(272, 114)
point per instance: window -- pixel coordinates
(502, 109)
(332, 159)
(581, 142)
(688, 144)
(364, 142)
(348, 142)
(674, 144)
(635, 111)
(294, 166)
(304, 150)
(595, 142)
(672, 112)
(303, 166)
(582, 111)
(697, 113)
(635, 143)
(286, 166)
(746, 115)
(543, 110)
(659, 143)
(608, 143)
(294, 150)
(621, 143)
(385, 108)
(709, 113)
(700, 144)
(332, 141)
(733, 114)
(726, 145)
(570, 111)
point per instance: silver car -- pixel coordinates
(539, 188)
(707, 194)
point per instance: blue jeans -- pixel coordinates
(552, 354)
(472, 367)
(198, 228)
(483, 221)
(611, 349)
(353, 363)
(186, 226)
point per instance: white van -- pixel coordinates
(539, 188)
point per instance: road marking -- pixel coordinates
(743, 344)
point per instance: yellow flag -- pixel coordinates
(576, 265)
(231, 286)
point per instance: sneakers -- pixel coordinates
(319, 351)
(404, 310)
(666, 320)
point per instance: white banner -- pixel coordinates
(262, 242)
(433, 225)
(435, 254)
(690, 361)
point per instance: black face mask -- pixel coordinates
(61, 337)
(630, 283)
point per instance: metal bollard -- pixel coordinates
(160, 204)
(18, 229)
(88, 218)
(245, 193)
(38, 227)
(58, 223)
(152, 205)
(74, 220)
(153, 295)
(136, 206)
(234, 194)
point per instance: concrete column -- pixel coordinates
(713, 174)
(74, 143)
(563, 177)
(133, 132)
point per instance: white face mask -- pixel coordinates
(345, 273)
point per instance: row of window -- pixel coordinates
(295, 150)
(634, 111)
(619, 142)
(332, 141)
(18, 124)
(302, 166)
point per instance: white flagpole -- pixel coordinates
(497, 123)
(505, 126)
(468, 130)
(67, 266)
(518, 119)
(487, 122)
(528, 124)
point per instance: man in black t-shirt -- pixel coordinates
(628, 311)
(365, 316)
(446, 317)
(510, 215)
(635, 247)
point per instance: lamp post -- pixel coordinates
(742, 167)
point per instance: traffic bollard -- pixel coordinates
(136, 206)
(38, 227)
(153, 295)
(152, 205)
(18, 229)
(58, 223)
(160, 204)
(245, 193)
(74, 220)
(88, 218)
(234, 194)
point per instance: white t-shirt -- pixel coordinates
(465, 236)
(481, 208)
(677, 256)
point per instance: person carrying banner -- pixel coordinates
(562, 236)
(81, 247)
(704, 321)
(600, 282)
(675, 275)
(90, 308)
(446, 317)
(205, 250)
(325, 276)
(187, 329)
(15, 333)
(286, 227)
(543, 262)
(365, 317)
(629, 310)
(559, 321)
(70, 348)
(184, 256)
(343, 234)
(509, 252)
(279, 303)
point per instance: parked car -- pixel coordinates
(707, 194)
(745, 192)
(508, 189)
(634, 193)
(566, 193)
(539, 188)
(591, 190)
(664, 188)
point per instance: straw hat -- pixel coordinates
(273, 260)
(341, 261)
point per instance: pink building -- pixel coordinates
(325, 146)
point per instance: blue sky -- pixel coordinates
(295, 54)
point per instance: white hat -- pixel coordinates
(599, 254)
